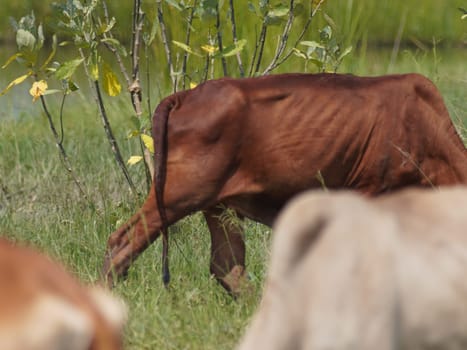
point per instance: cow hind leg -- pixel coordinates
(227, 248)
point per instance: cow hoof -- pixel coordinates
(236, 281)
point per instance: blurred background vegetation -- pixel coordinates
(362, 21)
(40, 204)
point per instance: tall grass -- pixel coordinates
(39, 204)
(377, 21)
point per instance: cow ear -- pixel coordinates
(305, 240)
(293, 241)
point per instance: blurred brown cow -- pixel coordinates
(252, 144)
(43, 308)
(348, 272)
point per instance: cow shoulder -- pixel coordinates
(209, 111)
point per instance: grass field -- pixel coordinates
(39, 204)
(378, 21)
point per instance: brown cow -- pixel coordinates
(43, 308)
(348, 272)
(251, 144)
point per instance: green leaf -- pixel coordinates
(67, 69)
(279, 11)
(186, 48)
(175, 4)
(136, 122)
(317, 63)
(116, 44)
(52, 91)
(52, 53)
(72, 86)
(299, 53)
(313, 44)
(25, 39)
(108, 26)
(111, 84)
(325, 34)
(149, 37)
(345, 53)
(207, 10)
(263, 7)
(94, 65)
(252, 8)
(11, 59)
(134, 160)
(299, 10)
(133, 133)
(17, 81)
(40, 36)
(148, 142)
(232, 49)
(312, 47)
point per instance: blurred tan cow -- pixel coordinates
(347, 272)
(43, 308)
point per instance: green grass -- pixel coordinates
(39, 203)
(378, 20)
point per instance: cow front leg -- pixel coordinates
(131, 239)
(227, 248)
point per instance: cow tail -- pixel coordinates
(159, 134)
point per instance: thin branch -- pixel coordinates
(219, 40)
(94, 85)
(283, 40)
(135, 87)
(111, 138)
(168, 53)
(148, 81)
(138, 18)
(300, 37)
(133, 84)
(59, 144)
(113, 49)
(206, 68)
(235, 39)
(187, 42)
(255, 52)
(260, 45)
(62, 106)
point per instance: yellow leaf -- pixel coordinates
(95, 71)
(134, 159)
(316, 3)
(11, 59)
(193, 85)
(209, 49)
(111, 85)
(38, 89)
(17, 81)
(148, 142)
(133, 133)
